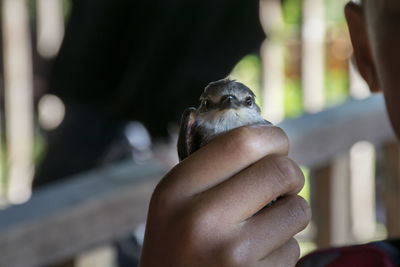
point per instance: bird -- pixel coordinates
(224, 105)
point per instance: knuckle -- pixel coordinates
(294, 249)
(290, 252)
(279, 138)
(300, 211)
(164, 197)
(242, 141)
(200, 221)
(280, 133)
(167, 194)
(288, 175)
(257, 140)
(236, 254)
(159, 199)
(196, 229)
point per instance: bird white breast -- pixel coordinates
(215, 122)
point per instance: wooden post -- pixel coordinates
(331, 203)
(320, 204)
(392, 188)
(362, 156)
(18, 80)
(272, 53)
(50, 27)
(3, 185)
(313, 63)
(340, 201)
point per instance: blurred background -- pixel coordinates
(87, 84)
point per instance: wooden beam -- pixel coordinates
(318, 138)
(64, 219)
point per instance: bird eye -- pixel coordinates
(206, 104)
(249, 101)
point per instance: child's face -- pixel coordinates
(375, 33)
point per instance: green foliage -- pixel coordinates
(306, 247)
(39, 147)
(291, 10)
(248, 71)
(67, 4)
(31, 4)
(305, 192)
(334, 12)
(3, 171)
(336, 87)
(293, 97)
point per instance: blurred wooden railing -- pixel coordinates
(64, 219)
(87, 210)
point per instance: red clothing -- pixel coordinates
(380, 254)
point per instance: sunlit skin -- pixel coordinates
(375, 34)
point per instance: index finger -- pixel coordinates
(226, 156)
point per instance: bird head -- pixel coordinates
(225, 105)
(225, 95)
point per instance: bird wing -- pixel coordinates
(186, 133)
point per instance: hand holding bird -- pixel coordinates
(209, 210)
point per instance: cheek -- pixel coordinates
(384, 31)
(392, 100)
(388, 70)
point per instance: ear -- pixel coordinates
(362, 50)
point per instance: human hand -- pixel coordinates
(210, 209)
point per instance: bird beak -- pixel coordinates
(229, 101)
